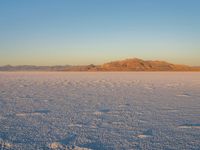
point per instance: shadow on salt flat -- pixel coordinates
(189, 126)
(43, 111)
(98, 145)
(8, 142)
(146, 134)
(69, 140)
(105, 110)
(183, 95)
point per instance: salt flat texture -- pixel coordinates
(98, 110)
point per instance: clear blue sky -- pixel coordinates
(59, 32)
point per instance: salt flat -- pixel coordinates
(99, 110)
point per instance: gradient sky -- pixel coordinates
(60, 32)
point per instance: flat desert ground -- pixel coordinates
(100, 110)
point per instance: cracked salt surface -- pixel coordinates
(68, 110)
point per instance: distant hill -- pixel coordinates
(134, 64)
(142, 65)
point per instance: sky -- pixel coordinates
(61, 32)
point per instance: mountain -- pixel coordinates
(142, 65)
(134, 64)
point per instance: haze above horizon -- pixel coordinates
(50, 32)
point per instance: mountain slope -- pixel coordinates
(142, 65)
